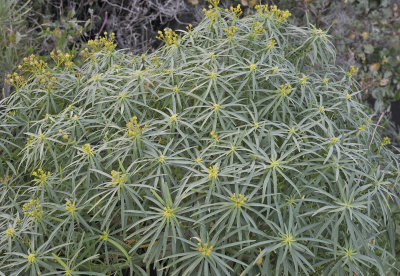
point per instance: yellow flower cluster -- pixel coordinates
(286, 89)
(189, 28)
(40, 176)
(15, 80)
(235, 12)
(213, 172)
(238, 200)
(321, 109)
(134, 128)
(30, 140)
(104, 237)
(47, 81)
(212, 12)
(231, 32)
(386, 141)
(252, 67)
(169, 37)
(288, 239)
(258, 28)
(334, 140)
(363, 127)
(271, 44)
(87, 149)
(5, 180)
(60, 58)
(10, 232)
(156, 60)
(205, 249)
(117, 178)
(69, 206)
(352, 71)
(33, 209)
(274, 163)
(215, 136)
(303, 79)
(105, 42)
(213, 75)
(273, 11)
(33, 65)
(64, 135)
(31, 258)
(161, 159)
(168, 213)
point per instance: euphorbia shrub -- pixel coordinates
(236, 148)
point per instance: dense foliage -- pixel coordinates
(236, 148)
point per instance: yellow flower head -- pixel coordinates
(104, 237)
(5, 180)
(198, 160)
(213, 172)
(325, 80)
(258, 28)
(168, 213)
(189, 28)
(272, 12)
(285, 89)
(31, 258)
(33, 209)
(87, 149)
(212, 11)
(235, 12)
(133, 128)
(105, 42)
(252, 67)
(334, 140)
(169, 37)
(230, 32)
(288, 239)
(271, 44)
(348, 96)
(205, 249)
(70, 207)
(10, 232)
(386, 141)
(174, 118)
(40, 176)
(303, 79)
(161, 159)
(117, 178)
(239, 200)
(363, 127)
(321, 109)
(215, 136)
(352, 71)
(213, 75)
(64, 135)
(274, 163)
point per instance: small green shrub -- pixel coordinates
(236, 148)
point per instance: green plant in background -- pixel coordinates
(28, 27)
(12, 38)
(236, 148)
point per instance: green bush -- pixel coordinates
(236, 148)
